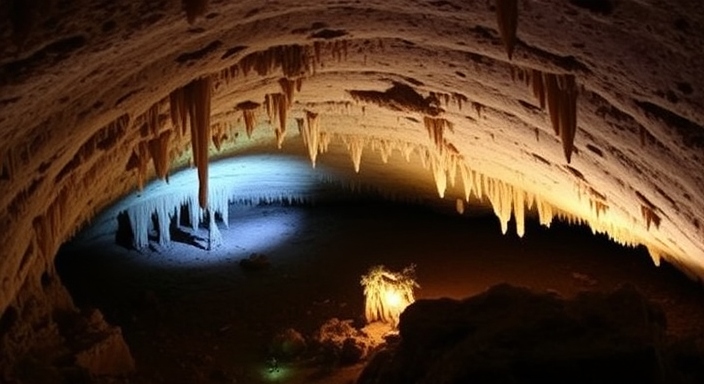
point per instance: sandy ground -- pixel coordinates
(190, 315)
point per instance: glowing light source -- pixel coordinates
(388, 293)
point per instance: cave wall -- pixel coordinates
(588, 110)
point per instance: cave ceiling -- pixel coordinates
(585, 111)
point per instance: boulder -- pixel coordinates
(510, 334)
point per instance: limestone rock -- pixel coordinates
(108, 356)
(510, 334)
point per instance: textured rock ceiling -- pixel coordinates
(590, 112)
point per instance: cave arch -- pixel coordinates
(594, 114)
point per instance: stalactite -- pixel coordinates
(519, 211)
(407, 150)
(553, 100)
(324, 142)
(385, 148)
(477, 108)
(568, 114)
(143, 162)
(249, 115)
(293, 60)
(197, 94)
(159, 152)
(152, 120)
(561, 92)
(466, 181)
(460, 99)
(338, 49)
(277, 107)
(538, 87)
(507, 18)
(649, 216)
(355, 144)
(311, 135)
(439, 175)
(178, 111)
(545, 212)
(436, 128)
(288, 88)
(219, 135)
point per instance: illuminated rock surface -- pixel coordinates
(590, 113)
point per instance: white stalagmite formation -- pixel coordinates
(157, 211)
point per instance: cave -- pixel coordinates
(183, 180)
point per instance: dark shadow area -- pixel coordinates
(185, 322)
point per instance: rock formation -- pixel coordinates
(585, 111)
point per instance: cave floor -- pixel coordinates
(190, 315)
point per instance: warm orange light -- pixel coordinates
(388, 293)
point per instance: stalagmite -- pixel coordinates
(214, 235)
(507, 18)
(194, 213)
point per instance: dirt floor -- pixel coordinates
(190, 315)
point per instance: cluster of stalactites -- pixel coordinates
(278, 104)
(191, 103)
(167, 209)
(156, 144)
(294, 61)
(559, 93)
(649, 216)
(436, 130)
